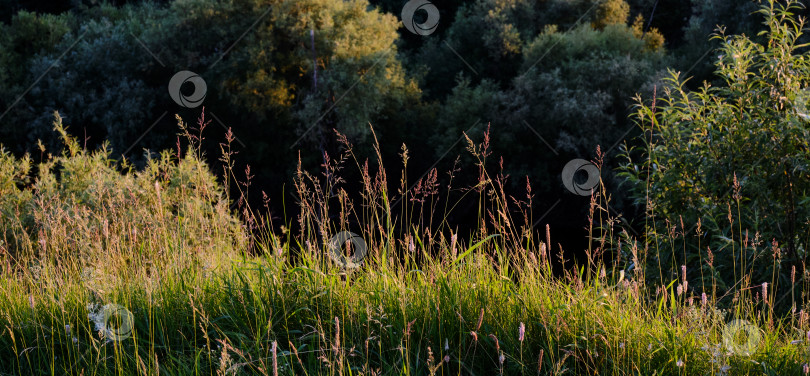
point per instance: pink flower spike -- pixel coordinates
(521, 332)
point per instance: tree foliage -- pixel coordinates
(553, 78)
(734, 156)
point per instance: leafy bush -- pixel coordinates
(81, 208)
(732, 160)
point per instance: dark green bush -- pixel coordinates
(733, 158)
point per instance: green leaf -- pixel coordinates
(476, 245)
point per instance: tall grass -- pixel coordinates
(208, 293)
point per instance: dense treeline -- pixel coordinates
(551, 79)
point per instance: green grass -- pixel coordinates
(86, 234)
(387, 319)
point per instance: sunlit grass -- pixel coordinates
(425, 301)
(459, 319)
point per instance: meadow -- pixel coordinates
(149, 272)
(110, 266)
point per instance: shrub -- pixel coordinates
(82, 207)
(732, 160)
